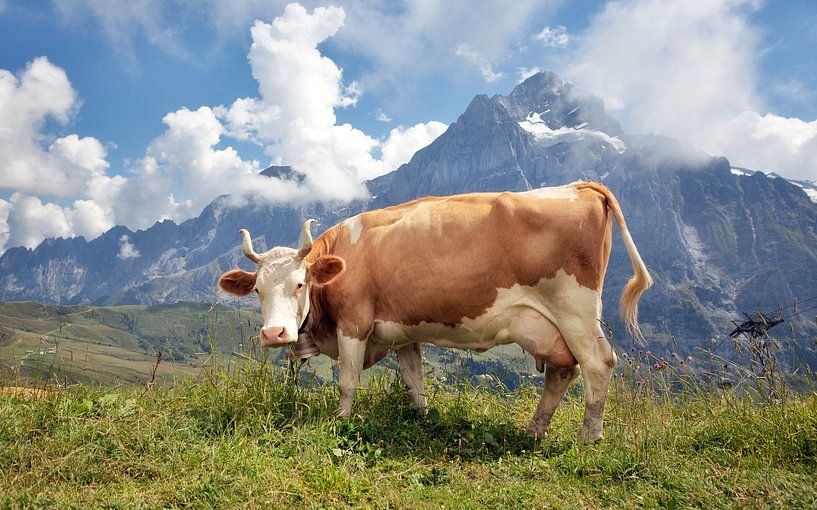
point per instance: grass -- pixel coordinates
(245, 435)
(226, 429)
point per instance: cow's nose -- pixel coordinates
(274, 335)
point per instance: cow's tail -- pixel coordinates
(641, 279)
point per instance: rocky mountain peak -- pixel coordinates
(285, 173)
(559, 104)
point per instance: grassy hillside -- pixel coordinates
(226, 426)
(116, 344)
(70, 344)
(246, 436)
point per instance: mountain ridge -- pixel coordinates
(717, 243)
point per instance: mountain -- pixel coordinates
(718, 240)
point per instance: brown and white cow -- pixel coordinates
(467, 271)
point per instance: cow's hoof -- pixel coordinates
(591, 438)
(536, 431)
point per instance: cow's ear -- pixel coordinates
(324, 270)
(237, 282)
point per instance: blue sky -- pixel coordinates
(132, 106)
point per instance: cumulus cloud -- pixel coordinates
(670, 66)
(294, 117)
(402, 143)
(64, 167)
(69, 169)
(555, 37)
(472, 56)
(770, 142)
(30, 221)
(5, 209)
(126, 249)
(690, 70)
(189, 164)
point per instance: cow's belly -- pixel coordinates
(442, 335)
(522, 325)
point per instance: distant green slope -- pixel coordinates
(118, 343)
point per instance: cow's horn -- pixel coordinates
(246, 246)
(305, 243)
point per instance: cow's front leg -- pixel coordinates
(410, 358)
(351, 354)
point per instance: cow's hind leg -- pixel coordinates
(410, 358)
(351, 356)
(556, 382)
(596, 359)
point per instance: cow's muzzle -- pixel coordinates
(276, 337)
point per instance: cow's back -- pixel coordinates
(440, 259)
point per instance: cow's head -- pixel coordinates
(282, 281)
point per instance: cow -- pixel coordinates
(467, 271)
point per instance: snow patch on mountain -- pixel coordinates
(534, 125)
(808, 187)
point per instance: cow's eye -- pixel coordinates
(299, 286)
(256, 291)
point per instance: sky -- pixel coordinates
(128, 112)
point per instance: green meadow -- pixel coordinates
(223, 425)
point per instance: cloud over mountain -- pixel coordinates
(691, 70)
(63, 186)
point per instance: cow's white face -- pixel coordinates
(282, 282)
(284, 295)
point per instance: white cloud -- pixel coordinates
(126, 249)
(42, 92)
(382, 116)
(30, 221)
(473, 57)
(769, 142)
(667, 66)
(5, 209)
(402, 143)
(690, 70)
(391, 39)
(188, 165)
(36, 164)
(295, 116)
(556, 37)
(523, 73)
